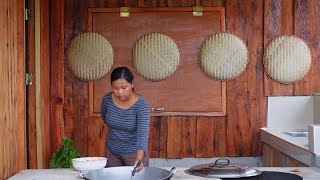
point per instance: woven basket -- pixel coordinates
(287, 59)
(155, 56)
(90, 56)
(223, 56)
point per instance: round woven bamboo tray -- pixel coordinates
(90, 56)
(155, 56)
(287, 59)
(223, 56)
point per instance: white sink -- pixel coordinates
(296, 133)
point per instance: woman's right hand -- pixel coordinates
(139, 167)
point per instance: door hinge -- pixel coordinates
(28, 78)
(28, 14)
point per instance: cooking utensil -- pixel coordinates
(222, 168)
(133, 172)
(121, 173)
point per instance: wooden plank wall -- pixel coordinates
(12, 92)
(38, 93)
(256, 22)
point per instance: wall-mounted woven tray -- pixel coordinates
(223, 56)
(155, 56)
(90, 56)
(287, 59)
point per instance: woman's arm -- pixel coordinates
(143, 126)
(140, 154)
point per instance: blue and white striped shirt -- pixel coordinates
(128, 128)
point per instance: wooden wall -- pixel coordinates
(237, 134)
(12, 92)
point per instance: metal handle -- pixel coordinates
(226, 162)
(82, 176)
(172, 172)
(158, 109)
(134, 169)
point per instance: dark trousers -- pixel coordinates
(115, 160)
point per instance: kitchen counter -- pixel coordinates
(308, 173)
(295, 147)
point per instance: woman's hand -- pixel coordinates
(139, 157)
(139, 168)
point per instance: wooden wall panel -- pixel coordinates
(306, 26)
(158, 136)
(45, 84)
(178, 136)
(30, 90)
(76, 111)
(205, 135)
(256, 22)
(181, 137)
(294, 18)
(163, 131)
(57, 73)
(278, 20)
(12, 94)
(245, 101)
(220, 144)
(166, 93)
(97, 133)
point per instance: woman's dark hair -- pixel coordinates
(121, 73)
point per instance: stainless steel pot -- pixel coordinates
(222, 168)
(124, 173)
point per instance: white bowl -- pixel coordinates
(89, 163)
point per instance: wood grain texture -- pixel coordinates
(181, 137)
(97, 133)
(158, 137)
(211, 137)
(165, 93)
(255, 22)
(45, 83)
(278, 20)
(272, 157)
(76, 107)
(235, 135)
(57, 72)
(30, 90)
(306, 26)
(220, 145)
(214, 3)
(163, 127)
(154, 137)
(245, 101)
(205, 135)
(291, 162)
(12, 94)
(20, 109)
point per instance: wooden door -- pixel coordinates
(12, 92)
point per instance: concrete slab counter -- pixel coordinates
(308, 173)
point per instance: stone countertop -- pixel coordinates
(308, 173)
(295, 147)
(301, 142)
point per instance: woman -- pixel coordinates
(128, 116)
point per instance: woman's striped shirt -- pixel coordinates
(128, 128)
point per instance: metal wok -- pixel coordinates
(124, 173)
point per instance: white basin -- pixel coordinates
(296, 133)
